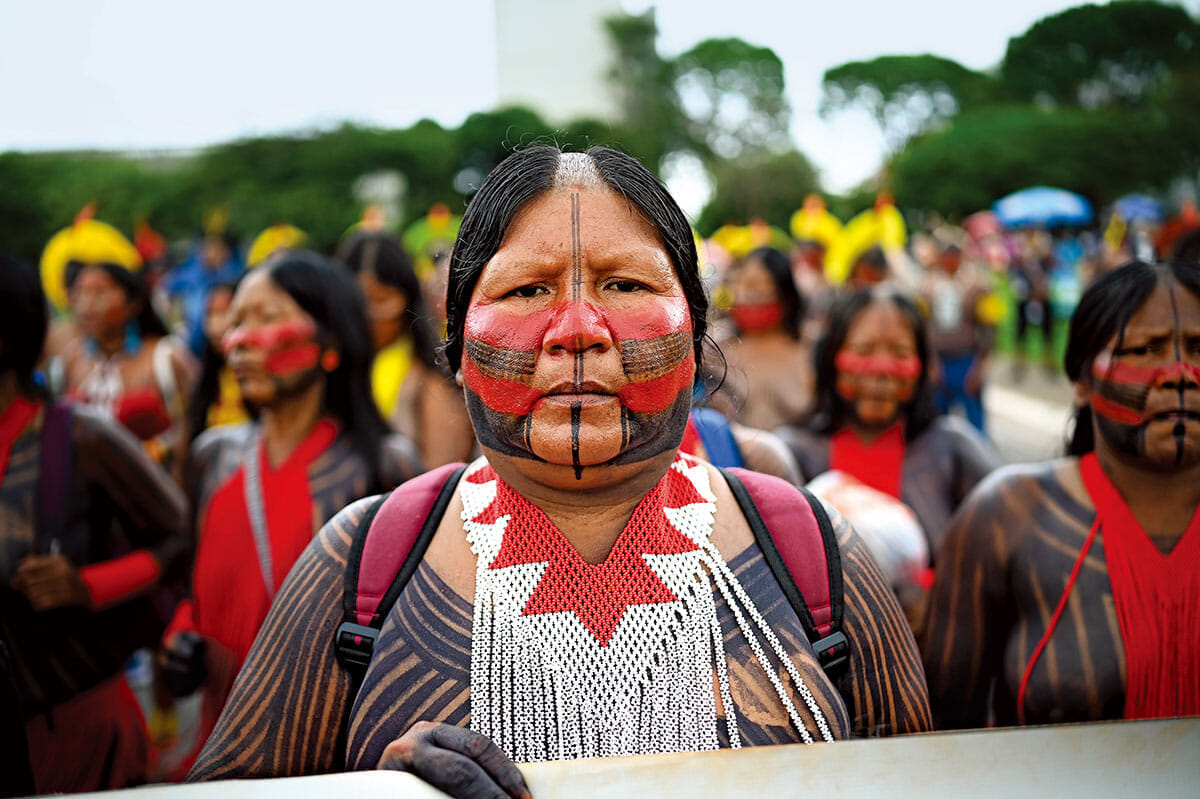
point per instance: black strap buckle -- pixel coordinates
(354, 644)
(833, 653)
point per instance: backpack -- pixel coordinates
(392, 537)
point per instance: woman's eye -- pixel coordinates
(525, 292)
(626, 285)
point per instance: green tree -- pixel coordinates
(986, 154)
(906, 95)
(766, 186)
(731, 94)
(1095, 56)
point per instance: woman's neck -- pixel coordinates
(286, 425)
(1163, 502)
(110, 343)
(869, 434)
(590, 513)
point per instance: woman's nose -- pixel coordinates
(575, 327)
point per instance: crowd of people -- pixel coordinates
(532, 496)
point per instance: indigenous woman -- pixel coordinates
(575, 315)
(299, 346)
(1070, 590)
(122, 363)
(89, 528)
(875, 417)
(409, 387)
(770, 376)
(876, 421)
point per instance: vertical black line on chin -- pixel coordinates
(575, 420)
(1180, 430)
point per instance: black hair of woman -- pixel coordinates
(23, 323)
(529, 173)
(382, 255)
(208, 387)
(832, 413)
(327, 293)
(1102, 313)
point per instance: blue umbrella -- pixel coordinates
(1043, 205)
(1139, 208)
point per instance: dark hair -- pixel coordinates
(23, 323)
(1102, 313)
(779, 267)
(327, 293)
(212, 361)
(832, 413)
(383, 256)
(1187, 248)
(529, 173)
(134, 285)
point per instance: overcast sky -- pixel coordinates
(162, 74)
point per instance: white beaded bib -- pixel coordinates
(572, 660)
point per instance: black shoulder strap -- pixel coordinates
(54, 474)
(828, 641)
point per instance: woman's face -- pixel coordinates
(385, 309)
(101, 305)
(578, 338)
(878, 366)
(272, 344)
(756, 307)
(1144, 389)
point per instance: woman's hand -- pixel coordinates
(51, 581)
(456, 760)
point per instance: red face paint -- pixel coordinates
(1136, 381)
(1104, 368)
(908, 368)
(503, 351)
(289, 346)
(756, 317)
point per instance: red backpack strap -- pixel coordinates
(388, 546)
(797, 540)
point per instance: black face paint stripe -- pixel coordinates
(577, 281)
(575, 419)
(1180, 431)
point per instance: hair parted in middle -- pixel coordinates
(528, 174)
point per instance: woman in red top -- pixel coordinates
(876, 419)
(1117, 523)
(299, 346)
(121, 362)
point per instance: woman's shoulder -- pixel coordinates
(1012, 496)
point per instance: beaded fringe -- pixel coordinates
(543, 688)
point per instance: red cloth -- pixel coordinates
(691, 443)
(95, 741)
(1157, 599)
(878, 464)
(116, 580)
(231, 599)
(13, 421)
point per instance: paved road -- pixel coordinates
(1027, 411)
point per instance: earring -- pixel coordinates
(458, 378)
(330, 360)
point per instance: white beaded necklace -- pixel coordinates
(567, 662)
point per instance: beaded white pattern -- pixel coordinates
(544, 688)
